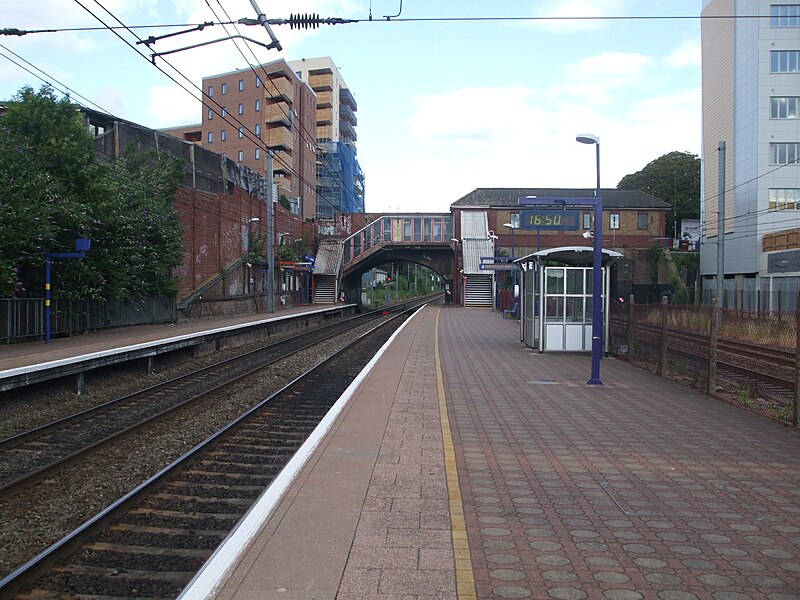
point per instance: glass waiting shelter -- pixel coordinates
(557, 298)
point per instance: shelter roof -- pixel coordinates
(573, 256)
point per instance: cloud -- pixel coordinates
(563, 12)
(170, 106)
(688, 54)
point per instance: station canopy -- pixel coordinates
(573, 256)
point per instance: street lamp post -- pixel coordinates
(597, 266)
(513, 226)
(250, 222)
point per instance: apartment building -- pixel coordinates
(340, 180)
(751, 101)
(250, 111)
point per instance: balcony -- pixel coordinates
(325, 132)
(320, 83)
(346, 114)
(324, 117)
(346, 97)
(347, 131)
(279, 88)
(280, 138)
(325, 99)
(278, 113)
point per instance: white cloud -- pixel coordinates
(171, 106)
(686, 55)
(565, 10)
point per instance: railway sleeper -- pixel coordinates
(213, 490)
(161, 537)
(187, 520)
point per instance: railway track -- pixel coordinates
(769, 369)
(152, 541)
(31, 456)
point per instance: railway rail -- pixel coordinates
(770, 368)
(30, 456)
(152, 541)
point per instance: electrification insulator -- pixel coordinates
(304, 21)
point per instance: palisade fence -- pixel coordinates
(22, 319)
(748, 358)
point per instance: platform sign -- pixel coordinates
(562, 220)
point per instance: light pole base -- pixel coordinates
(594, 382)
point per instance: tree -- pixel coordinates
(55, 189)
(673, 178)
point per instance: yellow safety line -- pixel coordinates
(465, 580)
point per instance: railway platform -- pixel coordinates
(33, 362)
(466, 466)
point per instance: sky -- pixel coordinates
(444, 107)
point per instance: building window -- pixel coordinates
(258, 81)
(241, 108)
(258, 128)
(784, 153)
(613, 221)
(241, 155)
(223, 135)
(784, 107)
(241, 132)
(642, 221)
(224, 112)
(258, 153)
(299, 74)
(258, 104)
(784, 199)
(211, 91)
(784, 15)
(210, 113)
(587, 220)
(224, 88)
(210, 136)
(784, 61)
(241, 85)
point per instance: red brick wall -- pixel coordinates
(214, 233)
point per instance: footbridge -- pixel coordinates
(423, 239)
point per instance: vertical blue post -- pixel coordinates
(597, 281)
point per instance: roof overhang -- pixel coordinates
(573, 256)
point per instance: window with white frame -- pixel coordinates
(210, 136)
(784, 107)
(258, 153)
(224, 87)
(784, 15)
(784, 61)
(587, 220)
(241, 155)
(613, 221)
(224, 112)
(241, 108)
(258, 104)
(784, 199)
(642, 221)
(784, 153)
(241, 132)
(211, 91)
(258, 128)
(241, 85)
(258, 81)
(210, 113)
(223, 135)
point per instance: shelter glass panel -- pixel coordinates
(555, 309)
(407, 233)
(574, 281)
(574, 309)
(437, 231)
(417, 230)
(555, 281)
(427, 224)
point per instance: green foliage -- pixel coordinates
(55, 190)
(673, 178)
(292, 252)
(653, 262)
(284, 202)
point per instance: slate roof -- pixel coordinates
(509, 197)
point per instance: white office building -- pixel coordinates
(751, 101)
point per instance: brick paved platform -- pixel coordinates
(636, 489)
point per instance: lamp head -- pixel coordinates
(253, 220)
(588, 234)
(588, 138)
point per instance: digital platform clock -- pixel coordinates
(550, 219)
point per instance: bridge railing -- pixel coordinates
(398, 229)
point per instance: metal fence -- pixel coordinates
(748, 358)
(22, 319)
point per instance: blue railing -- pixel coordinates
(398, 229)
